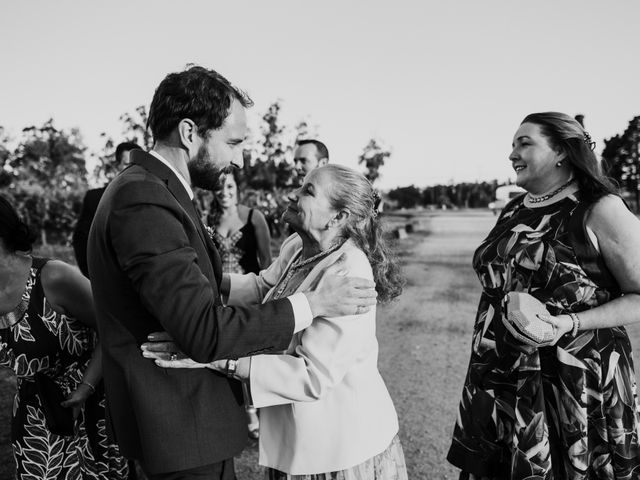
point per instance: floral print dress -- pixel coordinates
(568, 411)
(57, 345)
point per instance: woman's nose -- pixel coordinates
(512, 155)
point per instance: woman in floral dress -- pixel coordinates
(566, 411)
(45, 310)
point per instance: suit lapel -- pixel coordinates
(213, 250)
(175, 186)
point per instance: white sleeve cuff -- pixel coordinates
(301, 311)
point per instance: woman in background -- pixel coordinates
(242, 237)
(46, 338)
(569, 410)
(240, 233)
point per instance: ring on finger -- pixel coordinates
(173, 356)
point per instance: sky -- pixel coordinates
(442, 84)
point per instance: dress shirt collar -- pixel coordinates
(186, 186)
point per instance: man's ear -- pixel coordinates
(187, 131)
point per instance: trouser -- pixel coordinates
(223, 470)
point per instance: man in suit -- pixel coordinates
(153, 267)
(89, 207)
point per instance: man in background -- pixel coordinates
(89, 207)
(309, 155)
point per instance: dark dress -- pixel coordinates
(59, 346)
(239, 251)
(568, 411)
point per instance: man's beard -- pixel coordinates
(203, 172)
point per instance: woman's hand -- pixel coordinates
(562, 324)
(166, 353)
(77, 398)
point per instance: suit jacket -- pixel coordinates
(83, 225)
(153, 268)
(323, 405)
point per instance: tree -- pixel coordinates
(48, 178)
(268, 172)
(134, 129)
(5, 175)
(268, 167)
(373, 157)
(406, 197)
(621, 158)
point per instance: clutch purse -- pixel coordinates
(58, 419)
(520, 319)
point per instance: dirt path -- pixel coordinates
(425, 339)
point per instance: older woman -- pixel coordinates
(46, 317)
(568, 410)
(325, 411)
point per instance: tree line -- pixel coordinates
(620, 161)
(44, 171)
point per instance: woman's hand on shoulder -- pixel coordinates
(618, 232)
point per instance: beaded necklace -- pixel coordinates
(542, 198)
(298, 264)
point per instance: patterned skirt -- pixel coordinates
(388, 465)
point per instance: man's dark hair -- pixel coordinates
(197, 93)
(125, 147)
(321, 148)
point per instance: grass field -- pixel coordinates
(424, 343)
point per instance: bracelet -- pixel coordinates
(93, 389)
(576, 323)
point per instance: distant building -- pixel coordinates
(503, 195)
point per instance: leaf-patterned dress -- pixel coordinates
(569, 411)
(46, 341)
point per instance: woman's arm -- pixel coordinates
(328, 349)
(618, 233)
(263, 238)
(251, 288)
(69, 293)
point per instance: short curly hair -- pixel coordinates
(197, 93)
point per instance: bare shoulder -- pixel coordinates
(243, 212)
(56, 274)
(608, 212)
(258, 217)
